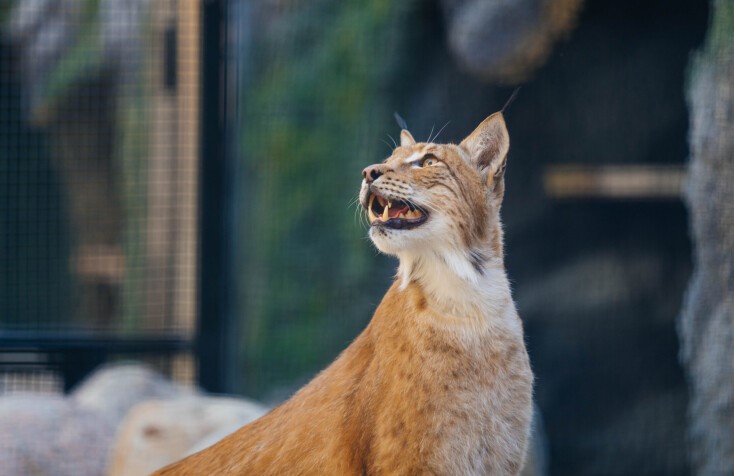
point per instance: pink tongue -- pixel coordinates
(394, 212)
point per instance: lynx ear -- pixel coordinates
(487, 146)
(406, 139)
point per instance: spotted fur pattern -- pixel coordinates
(439, 381)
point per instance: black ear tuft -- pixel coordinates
(401, 121)
(510, 101)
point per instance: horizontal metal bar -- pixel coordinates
(615, 182)
(46, 341)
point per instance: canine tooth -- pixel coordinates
(385, 216)
(370, 213)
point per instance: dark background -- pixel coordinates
(297, 97)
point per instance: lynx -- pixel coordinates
(439, 382)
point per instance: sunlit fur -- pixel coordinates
(439, 381)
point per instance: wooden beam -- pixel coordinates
(616, 182)
(173, 168)
(189, 53)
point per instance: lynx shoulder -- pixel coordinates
(439, 382)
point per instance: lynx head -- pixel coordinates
(440, 200)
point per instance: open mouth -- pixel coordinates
(394, 214)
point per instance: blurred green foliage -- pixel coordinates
(80, 62)
(722, 25)
(316, 107)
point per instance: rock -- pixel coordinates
(46, 434)
(506, 41)
(159, 432)
(114, 389)
(51, 435)
(706, 322)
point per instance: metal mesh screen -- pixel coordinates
(98, 171)
(99, 136)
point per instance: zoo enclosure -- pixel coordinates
(598, 153)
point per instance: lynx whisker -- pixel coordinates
(395, 144)
(359, 213)
(441, 130)
(413, 205)
(354, 200)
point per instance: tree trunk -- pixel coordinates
(707, 320)
(83, 138)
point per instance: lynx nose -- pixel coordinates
(371, 173)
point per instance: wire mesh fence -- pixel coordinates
(100, 103)
(99, 139)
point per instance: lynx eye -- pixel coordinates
(428, 161)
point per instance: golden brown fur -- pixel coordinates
(439, 381)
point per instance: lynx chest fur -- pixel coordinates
(439, 382)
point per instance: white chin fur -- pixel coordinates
(394, 242)
(429, 255)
